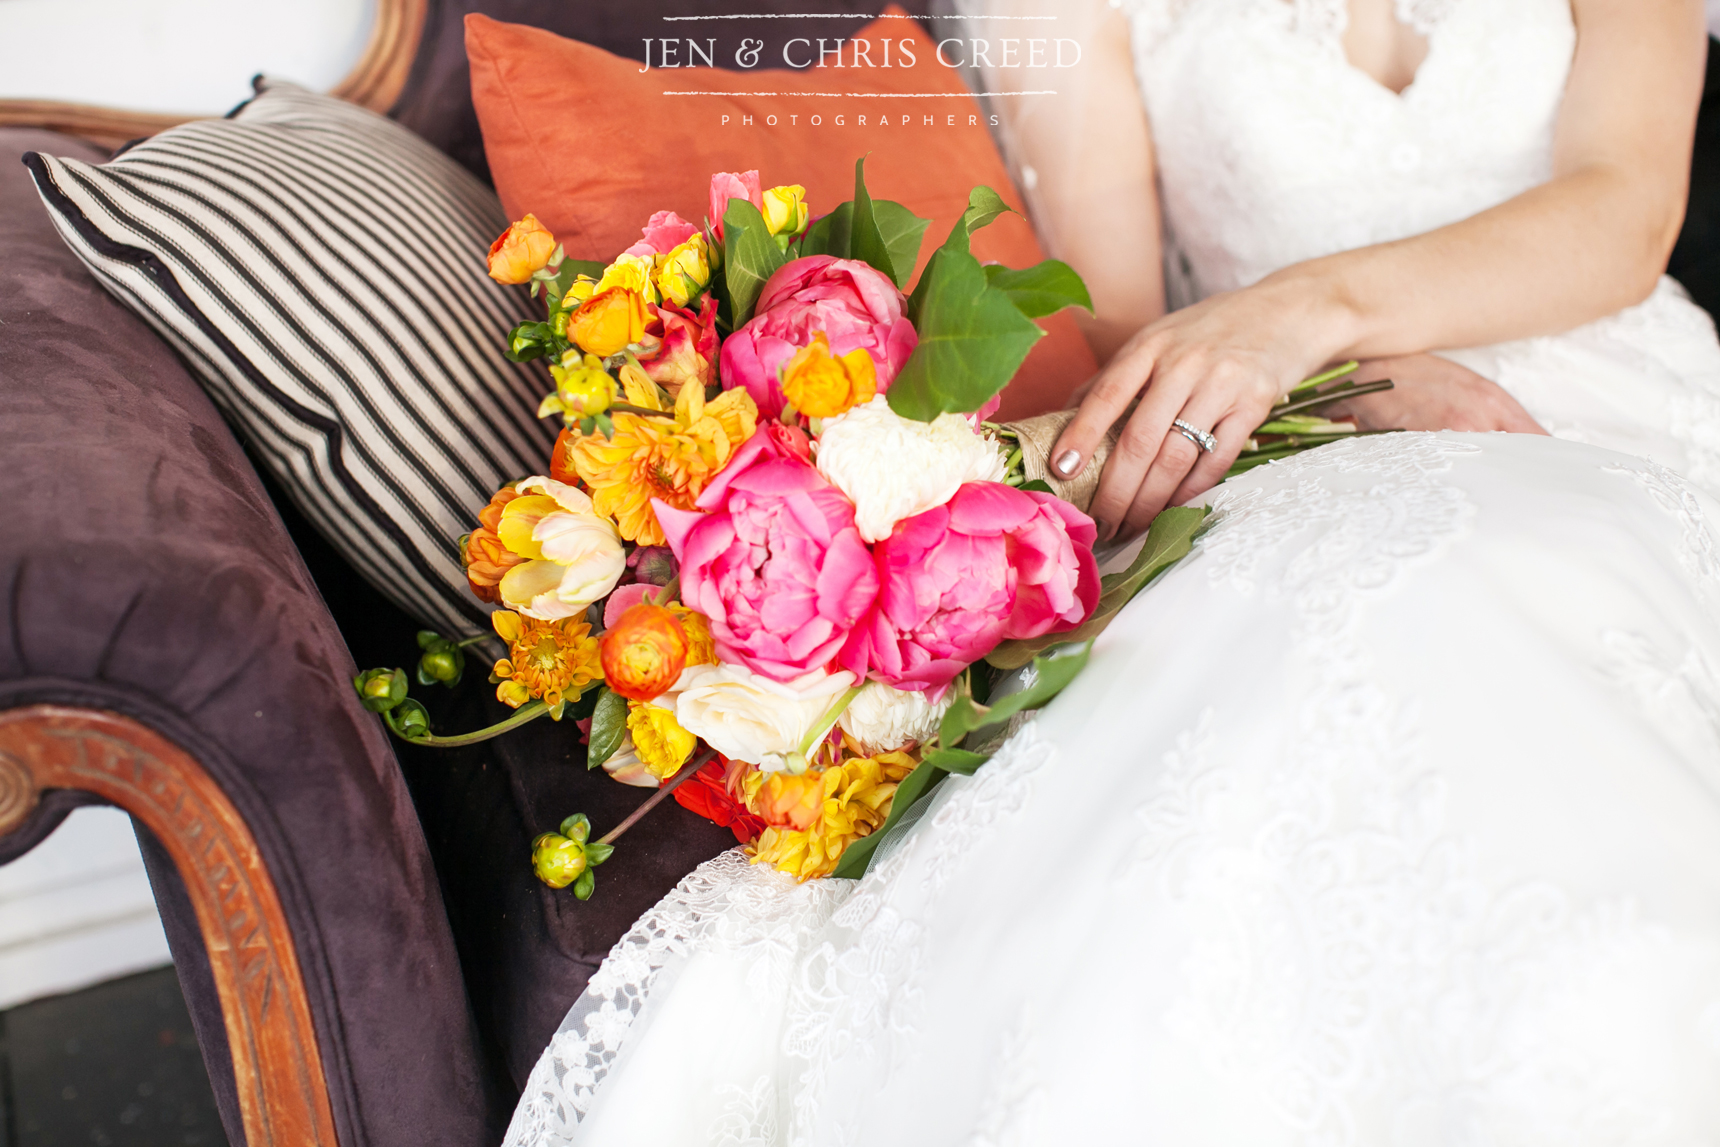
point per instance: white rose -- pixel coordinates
(746, 717)
(574, 555)
(883, 719)
(893, 467)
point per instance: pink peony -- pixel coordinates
(856, 306)
(665, 232)
(726, 185)
(775, 563)
(991, 564)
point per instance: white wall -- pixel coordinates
(77, 909)
(192, 56)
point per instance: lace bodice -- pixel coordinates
(1274, 149)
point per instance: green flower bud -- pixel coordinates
(410, 719)
(558, 860)
(442, 662)
(577, 827)
(380, 689)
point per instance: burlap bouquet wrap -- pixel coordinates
(1038, 436)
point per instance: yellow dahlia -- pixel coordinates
(857, 796)
(701, 648)
(663, 746)
(552, 661)
(649, 456)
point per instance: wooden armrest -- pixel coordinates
(283, 1096)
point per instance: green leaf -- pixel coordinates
(1038, 486)
(829, 235)
(571, 269)
(865, 238)
(972, 340)
(587, 882)
(1042, 289)
(903, 233)
(984, 205)
(901, 229)
(608, 727)
(1169, 539)
(1047, 679)
(915, 787)
(750, 256)
(597, 852)
(956, 760)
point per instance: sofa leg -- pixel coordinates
(283, 1096)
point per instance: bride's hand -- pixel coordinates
(1433, 393)
(1218, 365)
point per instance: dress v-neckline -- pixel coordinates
(1330, 19)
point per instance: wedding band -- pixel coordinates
(1194, 434)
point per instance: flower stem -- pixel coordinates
(1315, 401)
(470, 641)
(656, 798)
(526, 713)
(666, 592)
(831, 716)
(629, 408)
(1327, 376)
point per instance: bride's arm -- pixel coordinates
(1085, 160)
(1592, 240)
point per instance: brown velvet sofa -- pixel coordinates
(367, 957)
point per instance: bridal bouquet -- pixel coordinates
(775, 534)
(779, 566)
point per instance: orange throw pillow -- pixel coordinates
(591, 146)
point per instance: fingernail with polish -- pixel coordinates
(1067, 461)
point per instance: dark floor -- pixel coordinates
(114, 1065)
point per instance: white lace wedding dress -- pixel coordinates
(1391, 816)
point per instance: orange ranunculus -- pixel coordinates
(650, 457)
(644, 652)
(485, 557)
(784, 800)
(818, 384)
(609, 321)
(561, 466)
(523, 250)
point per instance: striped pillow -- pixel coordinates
(322, 270)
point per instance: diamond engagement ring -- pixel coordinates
(1194, 434)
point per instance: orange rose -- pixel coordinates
(644, 652)
(609, 321)
(820, 385)
(523, 250)
(485, 557)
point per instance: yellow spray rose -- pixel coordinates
(684, 272)
(785, 211)
(633, 272)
